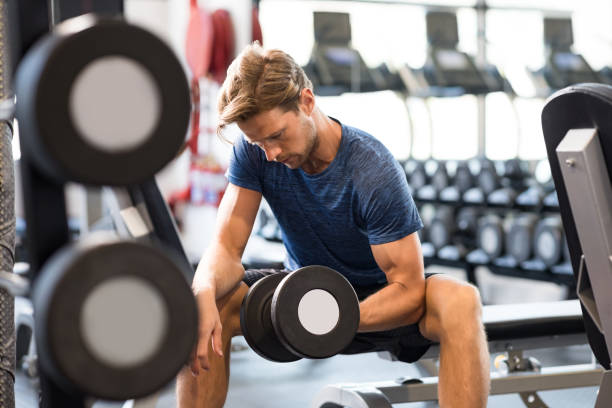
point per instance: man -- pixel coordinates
(342, 201)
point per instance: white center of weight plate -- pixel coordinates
(489, 240)
(546, 245)
(318, 312)
(124, 321)
(115, 104)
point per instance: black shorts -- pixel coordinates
(406, 343)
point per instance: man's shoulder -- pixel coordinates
(370, 164)
(365, 151)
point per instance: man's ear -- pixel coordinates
(307, 101)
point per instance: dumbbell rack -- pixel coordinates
(564, 277)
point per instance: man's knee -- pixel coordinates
(453, 301)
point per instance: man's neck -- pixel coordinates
(329, 135)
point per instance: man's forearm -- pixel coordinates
(393, 306)
(218, 272)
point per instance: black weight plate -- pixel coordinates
(256, 323)
(548, 240)
(45, 83)
(490, 236)
(285, 318)
(463, 177)
(415, 173)
(488, 178)
(442, 227)
(519, 237)
(68, 280)
(440, 179)
(467, 220)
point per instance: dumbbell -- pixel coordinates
(415, 174)
(487, 180)
(541, 185)
(427, 213)
(519, 237)
(551, 200)
(462, 181)
(438, 180)
(467, 226)
(549, 240)
(488, 176)
(312, 312)
(513, 173)
(446, 234)
(442, 227)
(107, 314)
(491, 235)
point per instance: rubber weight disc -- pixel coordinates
(101, 102)
(114, 319)
(549, 240)
(491, 235)
(519, 237)
(442, 227)
(256, 321)
(315, 312)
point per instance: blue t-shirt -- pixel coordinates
(331, 218)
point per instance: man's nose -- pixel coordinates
(272, 153)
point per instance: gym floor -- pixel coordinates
(258, 383)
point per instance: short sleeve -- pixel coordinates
(388, 210)
(245, 166)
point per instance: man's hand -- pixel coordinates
(210, 330)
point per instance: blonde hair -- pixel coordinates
(258, 81)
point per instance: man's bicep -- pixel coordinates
(236, 216)
(401, 260)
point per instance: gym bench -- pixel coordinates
(510, 329)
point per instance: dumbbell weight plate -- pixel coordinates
(551, 200)
(89, 113)
(467, 227)
(488, 180)
(107, 317)
(442, 227)
(490, 236)
(315, 312)
(548, 240)
(426, 212)
(467, 220)
(415, 174)
(440, 178)
(463, 177)
(519, 237)
(531, 197)
(256, 321)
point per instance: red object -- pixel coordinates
(223, 44)
(206, 178)
(198, 43)
(256, 31)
